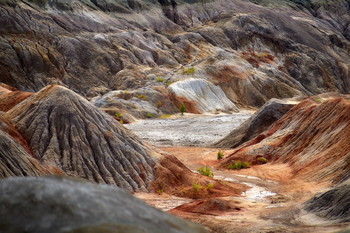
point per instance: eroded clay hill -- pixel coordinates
(312, 138)
(250, 53)
(57, 131)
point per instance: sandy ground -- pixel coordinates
(272, 204)
(189, 129)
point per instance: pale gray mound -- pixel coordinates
(55, 205)
(65, 130)
(333, 204)
(257, 123)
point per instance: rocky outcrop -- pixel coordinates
(256, 124)
(252, 53)
(59, 205)
(201, 96)
(312, 138)
(333, 204)
(65, 130)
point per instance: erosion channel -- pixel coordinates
(273, 199)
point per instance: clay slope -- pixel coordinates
(9, 97)
(65, 130)
(259, 122)
(252, 53)
(15, 157)
(56, 205)
(312, 137)
(333, 204)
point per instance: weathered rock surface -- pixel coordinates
(333, 204)
(58, 205)
(201, 96)
(272, 111)
(312, 138)
(15, 157)
(65, 130)
(253, 53)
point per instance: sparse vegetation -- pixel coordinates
(205, 171)
(159, 79)
(237, 165)
(188, 71)
(149, 115)
(165, 116)
(220, 155)
(210, 186)
(182, 108)
(118, 115)
(159, 103)
(168, 82)
(196, 187)
(141, 97)
(121, 122)
(262, 160)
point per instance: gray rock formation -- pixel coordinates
(65, 130)
(258, 123)
(333, 204)
(56, 205)
(203, 95)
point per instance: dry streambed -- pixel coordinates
(272, 202)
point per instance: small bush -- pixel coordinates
(141, 97)
(182, 108)
(196, 187)
(159, 103)
(118, 115)
(220, 155)
(188, 71)
(210, 186)
(262, 160)
(205, 171)
(168, 82)
(121, 122)
(149, 115)
(237, 165)
(159, 79)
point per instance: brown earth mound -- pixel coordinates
(9, 97)
(312, 138)
(208, 207)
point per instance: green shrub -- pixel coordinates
(188, 71)
(165, 116)
(159, 103)
(237, 165)
(220, 155)
(168, 82)
(159, 79)
(121, 122)
(205, 171)
(196, 187)
(262, 160)
(210, 186)
(118, 115)
(182, 108)
(149, 115)
(141, 97)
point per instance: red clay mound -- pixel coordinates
(208, 207)
(173, 177)
(313, 138)
(9, 97)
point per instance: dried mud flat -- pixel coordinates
(272, 203)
